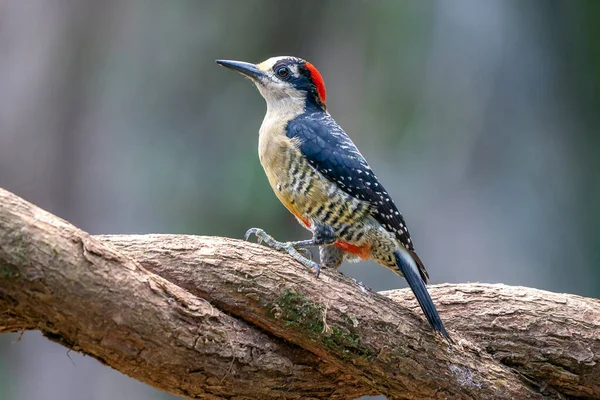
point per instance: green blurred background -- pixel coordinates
(480, 117)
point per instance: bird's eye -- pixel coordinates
(283, 72)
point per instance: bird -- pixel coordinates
(321, 177)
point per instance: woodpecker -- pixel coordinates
(319, 175)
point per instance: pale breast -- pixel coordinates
(304, 191)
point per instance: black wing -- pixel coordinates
(331, 152)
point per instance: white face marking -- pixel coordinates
(281, 97)
(284, 103)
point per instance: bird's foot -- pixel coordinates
(288, 247)
(362, 286)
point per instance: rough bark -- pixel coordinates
(551, 338)
(212, 317)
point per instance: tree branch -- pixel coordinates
(216, 318)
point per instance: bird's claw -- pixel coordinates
(303, 260)
(362, 286)
(307, 253)
(283, 246)
(254, 231)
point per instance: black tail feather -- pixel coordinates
(411, 273)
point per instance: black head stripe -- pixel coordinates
(303, 81)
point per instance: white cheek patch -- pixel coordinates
(274, 91)
(281, 97)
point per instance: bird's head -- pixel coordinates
(283, 80)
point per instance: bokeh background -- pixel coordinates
(480, 117)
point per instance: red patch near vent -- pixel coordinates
(363, 252)
(318, 80)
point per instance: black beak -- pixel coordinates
(244, 68)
